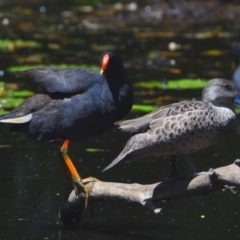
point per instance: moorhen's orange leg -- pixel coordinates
(75, 175)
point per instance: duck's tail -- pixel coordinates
(132, 150)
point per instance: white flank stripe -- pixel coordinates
(23, 119)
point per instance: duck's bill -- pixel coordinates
(236, 100)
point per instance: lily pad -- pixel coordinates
(10, 102)
(95, 150)
(9, 92)
(143, 108)
(18, 93)
(84, 2)
(237, 110)
(26, 67)
(174, 84)
(2, 112)
(215, 53)
(11, 45)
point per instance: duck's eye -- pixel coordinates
(227, 86)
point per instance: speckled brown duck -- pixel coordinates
(184, 127)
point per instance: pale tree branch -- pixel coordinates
(147, 195)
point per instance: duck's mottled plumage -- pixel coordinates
(183, 127)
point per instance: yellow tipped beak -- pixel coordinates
(101, 72)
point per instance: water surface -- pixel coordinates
(32, 180)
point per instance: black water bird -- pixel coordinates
(77, 104)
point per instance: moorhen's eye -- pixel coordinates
(227, 86)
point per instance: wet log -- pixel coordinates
(227, 177)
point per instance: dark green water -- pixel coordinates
(32, 181)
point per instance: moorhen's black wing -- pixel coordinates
(63, 80)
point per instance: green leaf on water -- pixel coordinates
(143, 108)
(95, 150)
(86, 2)
(237, 110)
(10, 102)
(10, 45)
(5, 92)
(26, 67)
(149, 84)
(17, 93)
(174, 84)
(187, 84)
(23, 67)
(2, 112)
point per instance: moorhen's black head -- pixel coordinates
(111, 63)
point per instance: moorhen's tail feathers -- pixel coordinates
(23, 113)
(16, 120)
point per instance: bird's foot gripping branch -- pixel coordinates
(150, 195)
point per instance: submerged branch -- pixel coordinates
(215, 179)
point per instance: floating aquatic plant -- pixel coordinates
(143, 108)
(25, 67)
(10, 45)
(173, 84)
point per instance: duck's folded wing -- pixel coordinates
(153, 119)
(172, 116)
(62, 80)
(142, 124)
